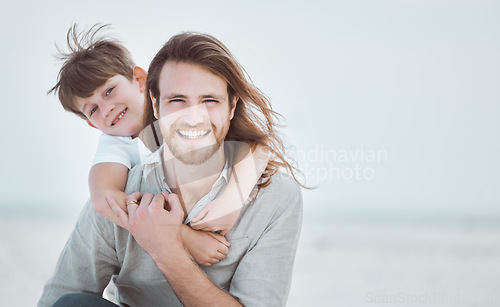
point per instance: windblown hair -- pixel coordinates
(254, 120)
(91, 60)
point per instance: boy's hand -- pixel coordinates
(206, 248)
(218, 215)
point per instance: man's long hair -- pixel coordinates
(254, 120)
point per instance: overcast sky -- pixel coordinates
(391, 106)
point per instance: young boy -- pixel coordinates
(100, 83)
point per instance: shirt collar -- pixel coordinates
(153, 175)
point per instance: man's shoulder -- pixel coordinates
(283, 183)
(283, 191)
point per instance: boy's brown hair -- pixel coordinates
(91, 60)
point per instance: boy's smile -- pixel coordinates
(119, 117)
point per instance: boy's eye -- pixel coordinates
(109, 91)
(93, 110)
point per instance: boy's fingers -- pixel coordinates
(223, 250)
(212, 225)
(201, 225)
(196, 226)
(220, 238)
(200, 216)
(199, 220)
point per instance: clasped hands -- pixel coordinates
(154, 220)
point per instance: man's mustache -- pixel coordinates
(184, 126)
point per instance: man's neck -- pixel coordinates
(192, 182)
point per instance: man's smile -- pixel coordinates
(193, 134)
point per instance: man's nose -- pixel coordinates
(195, 114)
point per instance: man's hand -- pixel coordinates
(157, 230)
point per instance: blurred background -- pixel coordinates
(390, 109)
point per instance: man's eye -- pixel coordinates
(109, 91)
(93, 110)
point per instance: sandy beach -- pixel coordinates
(338, 264)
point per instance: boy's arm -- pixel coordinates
(108, 179)
(222, 213)
(206, 248)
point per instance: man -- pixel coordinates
(203, 101)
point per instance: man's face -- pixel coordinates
(193, 110)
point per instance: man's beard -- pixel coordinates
(193, 155)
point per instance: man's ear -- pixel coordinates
(155, 105)
(140, 75)
(91, 125)
(235, 100)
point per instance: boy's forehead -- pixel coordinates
(81, 101)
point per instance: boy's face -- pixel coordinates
(193, 110)
(116, 107)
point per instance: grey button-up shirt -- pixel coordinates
(257, 270)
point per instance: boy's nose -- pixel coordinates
(107, 108)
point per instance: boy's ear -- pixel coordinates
(235, 100)
(155, 105)
(91, 125)
(140, 75)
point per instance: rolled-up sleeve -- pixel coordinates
(87, 261)
(264, 274)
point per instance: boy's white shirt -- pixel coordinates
(120, 149)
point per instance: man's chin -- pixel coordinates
(198, 156)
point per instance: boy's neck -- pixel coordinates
(192, 182)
